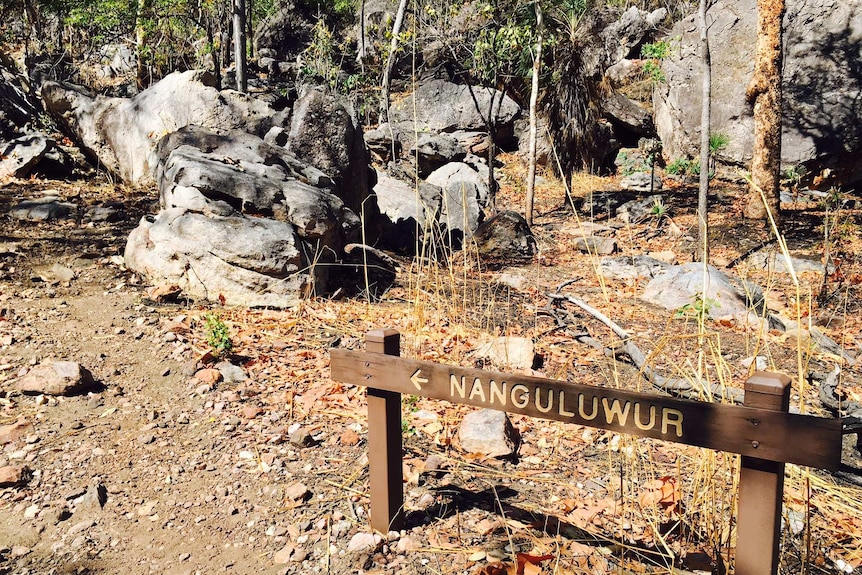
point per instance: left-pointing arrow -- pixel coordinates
(418, 380)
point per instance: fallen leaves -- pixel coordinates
(525, 564)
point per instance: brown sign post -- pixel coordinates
(761, 430)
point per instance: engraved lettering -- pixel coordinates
(562, 406)
(498, 392)
(477, 389)
(456, 388)
(550, 404)
(520, 395)
(644, 426)
(581, 412)
(671, 417)
(613, 410)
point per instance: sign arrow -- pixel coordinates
(418, 379)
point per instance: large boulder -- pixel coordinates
(17, 106)
(465, 198)
(409, 211)
(243, 221)
(120, 133)
(34, 153)
(325, 133)
(441, 106)
(822, 82)
(239, 260)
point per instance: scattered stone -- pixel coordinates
(488, 432)
(640, 182)
(680, 286)
(284, 555)
(15, 431)
(301, 438)
(778, 263)
(760, 363)
(43, 209)
(349, 437)
(514, 352)
(514, 281)
(297, 492)
(146, 438)
(19, 551)
(250, 411)
(209, 376)
(630, 268)
(164, 292)
(80, 527)
(637, 210)
(230, 373)
(364, 542)
(56, 378)
(95, 497)
(505, 238)
(596, 245)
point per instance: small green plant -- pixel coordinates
(684, 167)
(658, 210)
(654, 53)
(699, 307)
(218, 335)
(718, 142)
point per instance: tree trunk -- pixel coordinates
(706, 105)
(239, 45)
(534, 98)
(390, 60)
(142, 79)
(764, 92)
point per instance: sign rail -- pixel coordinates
(761, 430)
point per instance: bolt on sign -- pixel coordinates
(762, 430)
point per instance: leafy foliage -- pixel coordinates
(217, 335)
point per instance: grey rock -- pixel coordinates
(778, 263)
(465, 195)
(509, 352)
(34, 154)
(231, 373)
(14, 475)
(94, 499)
(18, 106)
(637, 210)
(596, 245)
(505, 238)
(445, 107)
(679, 286)
(408, 212)
(121, 133)
(325, 133)
(623, 36)
(247, 261)
(43, 209)
(630, 268)
(433, 151)
(640, 182)
(488, 432)
(363, 542)
(56, 378)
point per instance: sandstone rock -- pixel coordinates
(629, 268)
(408, 212)
(445, 107)
(640, 182)
(680, 286)
(637, 210)
(121, 133)
(56, 378)
(433, 151)
(247, 261)
(13, 475)
(504, 239)
(15, 431)
(465, 195)
(488, 432)
(297, 492)
(43, 209)
(509, 352)
(596, 245)
(34, 154)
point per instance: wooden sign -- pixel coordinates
(762, 430)
(765, 434)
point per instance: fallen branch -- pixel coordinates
(678, 387)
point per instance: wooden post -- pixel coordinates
(761, 486)
(384, 442)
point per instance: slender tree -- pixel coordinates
(534, 98)
(764, 92)
(706, 105)
(390, 61)
(239, 45)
